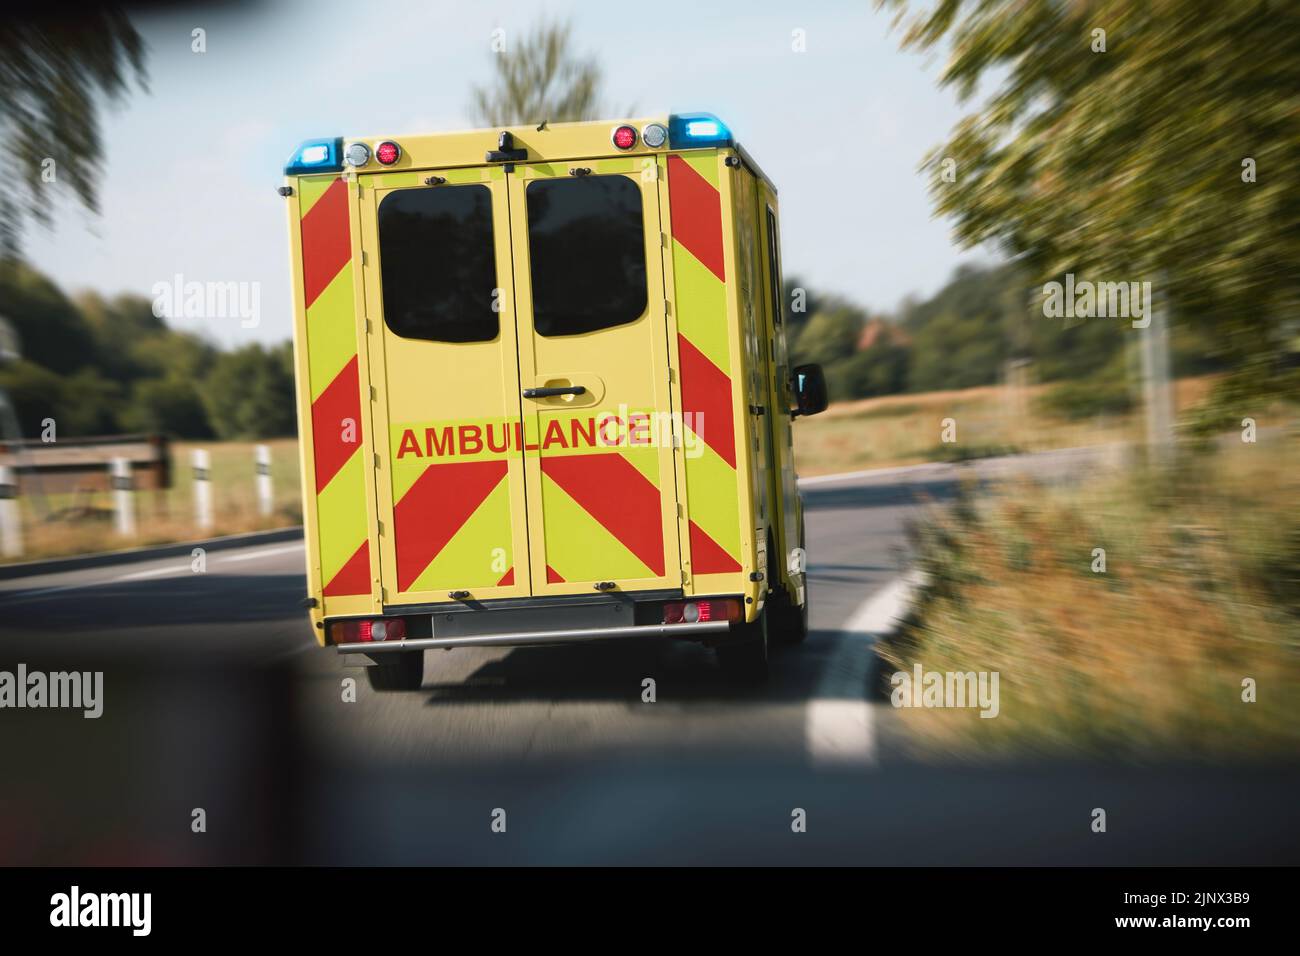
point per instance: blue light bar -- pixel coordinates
(696, 131)
(316, 156)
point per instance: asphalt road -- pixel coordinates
(217, 698)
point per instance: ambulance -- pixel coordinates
(543, 393)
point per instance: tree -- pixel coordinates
(880, 369)
(1134, 142)
(831, 333)
(249, 394)
(168, 405)
(56, 70)
(51, 330)
(539, 79)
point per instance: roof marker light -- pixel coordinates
(697, 130)
(388, 153)
(316, 156)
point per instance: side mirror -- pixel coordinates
(809, 390)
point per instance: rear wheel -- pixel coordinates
(789, 619)
(745, 660)
(403, 670)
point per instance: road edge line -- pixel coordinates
(100, 559)
(839, 728)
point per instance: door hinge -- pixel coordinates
(663, 239)
(369, 328)
(668, 307)
(376, 461)
(363, 257)
(374, 396)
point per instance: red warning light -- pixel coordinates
(625, 137)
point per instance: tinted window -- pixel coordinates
(438, 263)
(773, 267)
(587, 251)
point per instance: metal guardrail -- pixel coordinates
(82, 464)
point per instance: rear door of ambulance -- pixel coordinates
(519, 356)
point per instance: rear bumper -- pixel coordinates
(578, 635)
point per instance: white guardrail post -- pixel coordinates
(11, 526)
(265, 497)
(202, 489)
(123, 499)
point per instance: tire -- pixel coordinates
(745, 660)
(401, 671)
(790, 621)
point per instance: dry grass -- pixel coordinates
(905, 429)
(167, 516)
(1201, 591)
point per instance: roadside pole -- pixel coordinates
(202, 489)
(265, 497)
(1157, 390)
(11, 528)
(123, 499)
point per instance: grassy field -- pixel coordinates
(1200, 592)
(906, 429)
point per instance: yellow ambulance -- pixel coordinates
(543, 392)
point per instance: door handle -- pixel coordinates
(553, 391)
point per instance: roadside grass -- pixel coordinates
(1201, 591)
(899, 430)
(166, 516)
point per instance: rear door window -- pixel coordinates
(438, 263)
(586, 249)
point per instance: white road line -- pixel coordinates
(875, 473)
(269, 552)
(139, 575)
(39, 592)
(840, 726)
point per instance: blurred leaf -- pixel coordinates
(539, 78)
(56, 71)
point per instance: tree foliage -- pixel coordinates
(539, 78)
(101, 366)
(1130, 164)
(56, 71)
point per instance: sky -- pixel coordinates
(191, 167)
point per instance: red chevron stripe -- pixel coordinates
(706, 397)
(340, 402)
(326, 242)
(508, 580)
(620, 498)
(707, 556)
(696, 214)
(353, 577)
(553, 576)
(435, 508)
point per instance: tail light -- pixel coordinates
(364, 631)
(691, 612)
